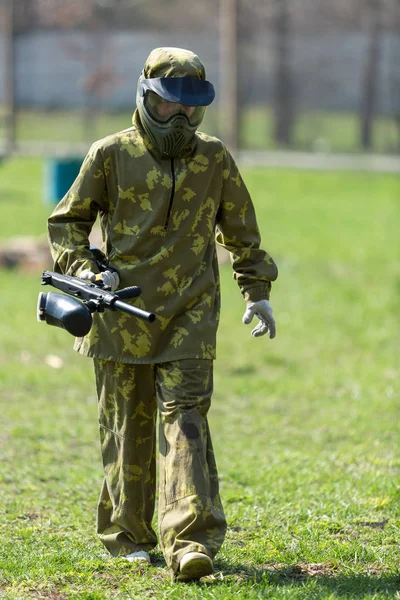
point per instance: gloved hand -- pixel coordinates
(109, 278)
(263, 310)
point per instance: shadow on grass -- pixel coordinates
(320, 580)
(326, 579)
(273, 361)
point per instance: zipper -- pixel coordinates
(171, 197)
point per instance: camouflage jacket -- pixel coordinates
(160, 221)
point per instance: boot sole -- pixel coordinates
(195, 569)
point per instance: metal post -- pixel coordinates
(228, 105)
(10, 105)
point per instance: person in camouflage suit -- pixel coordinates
(165, 194)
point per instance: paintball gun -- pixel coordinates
(75, 313)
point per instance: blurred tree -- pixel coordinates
(283, 80)
(8, 24)
(24, 14)
(127, 14)
(394, 76)
(58, 13)
(371, 72)
(268, 32)
(275, 20)
(228, 34)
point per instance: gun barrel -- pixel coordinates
(134, 310)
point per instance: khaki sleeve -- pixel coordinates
(71, 222)
(237, 231)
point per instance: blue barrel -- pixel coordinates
(60, 174)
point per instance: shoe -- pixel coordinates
(140, 556)
(194, 565)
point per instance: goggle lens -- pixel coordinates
(162, 110)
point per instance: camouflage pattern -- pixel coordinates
(190, 516)
(127, 418)
(173, 62)
(160, 221)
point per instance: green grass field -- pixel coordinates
(313, 131)
(306, 427)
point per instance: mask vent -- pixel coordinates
(174, 143)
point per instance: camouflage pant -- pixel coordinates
(190, 516)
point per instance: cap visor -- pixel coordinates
(185, 90)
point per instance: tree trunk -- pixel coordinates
(283, 84)
(371, 72)
(228, 105)
(9, 63)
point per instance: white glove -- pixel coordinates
(263, 310)
(109, 278)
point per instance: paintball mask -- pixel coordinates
(170, 128)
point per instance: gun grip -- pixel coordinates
(128, 292)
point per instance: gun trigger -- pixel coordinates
(100, 283)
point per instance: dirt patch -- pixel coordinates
(302, 570)
(45, 594)
(29, 516)
(27, 254)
